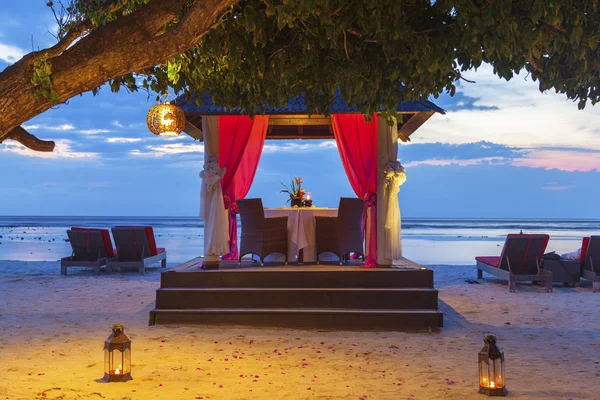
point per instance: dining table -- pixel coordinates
(301, 227)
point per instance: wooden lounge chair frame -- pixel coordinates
(513, 276)
(88, 251)
(133, 251)
(588, 271)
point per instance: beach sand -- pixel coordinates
(52, 329)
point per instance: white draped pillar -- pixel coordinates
(212, 209)
(390, 175)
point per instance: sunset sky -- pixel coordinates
(503, 150)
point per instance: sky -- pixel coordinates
(503, 150)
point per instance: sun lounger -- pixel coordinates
(591, 262)
(91, 248)
(136, 248)
(519, 262)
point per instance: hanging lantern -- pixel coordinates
(491, 369)
(117, 356)
(166, 119)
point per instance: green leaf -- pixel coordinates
(576, 34)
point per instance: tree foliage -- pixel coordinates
(377, 52)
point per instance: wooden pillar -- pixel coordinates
(387, 151)
(210, 128)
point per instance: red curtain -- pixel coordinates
(241, 141)
(357, 143)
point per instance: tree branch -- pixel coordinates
(534, 64)
(355, 32)
(134, 42)
(459, 76)
(20, 135)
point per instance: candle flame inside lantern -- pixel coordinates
(168, 118)
(118, 370)
(492, 385)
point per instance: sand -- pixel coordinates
(52, 330)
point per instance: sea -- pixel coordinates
(427, 241)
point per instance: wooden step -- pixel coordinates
(298, 278)
(353, 298)
(306, 318)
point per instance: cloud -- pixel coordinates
(190, 164)
(461, 163)
(10, 54)
(93, 131)
(526, 117)
(63, 149)
(483, 152)
(63, 127)
(123, 140)
(168, 149)
(297, 146)
(118, 124)
(463, 151)
(98, 185)
(564, 160)
(464, 102)
(557, 187)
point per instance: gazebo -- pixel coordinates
(386, 292)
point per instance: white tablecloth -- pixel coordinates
(301, 229)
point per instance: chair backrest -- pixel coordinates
(132, 243)
(149, 237)
(349, 225)
(350, 213)
(87, 245)
(110, 251)
(533, 255)
(584, 246)
(515, 247)
(592, 255)
(252, 215)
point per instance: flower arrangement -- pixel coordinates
(295, 191)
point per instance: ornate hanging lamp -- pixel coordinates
(165, 119)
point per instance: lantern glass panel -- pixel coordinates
(115, 362)
(484, 378)
(499, 372)
(127, 361)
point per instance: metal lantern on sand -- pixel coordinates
(492, 380)
(166, 119)
(117, 356)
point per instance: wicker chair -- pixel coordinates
(261, 236)
(342, 234)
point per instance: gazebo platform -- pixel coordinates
(325, 296)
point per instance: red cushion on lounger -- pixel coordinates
(584, 246)
(149, 237)
(105, 238)
(494, 261)
(161, 250)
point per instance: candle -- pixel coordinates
(492, 385)
(307, 198)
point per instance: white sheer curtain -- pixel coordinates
(212, 209)
(391, 176)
